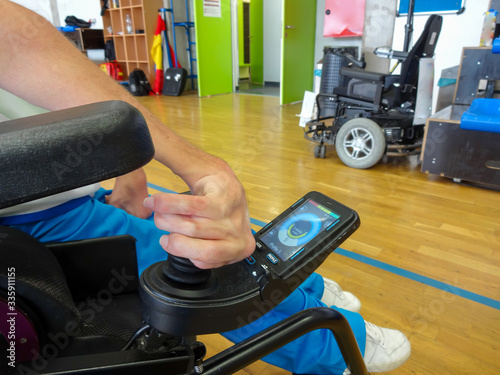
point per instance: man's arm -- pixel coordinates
(39, 65)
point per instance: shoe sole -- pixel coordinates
(382, 367)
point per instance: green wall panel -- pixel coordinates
(213, 50)
(241, 38)
(257, 41)
(297, 68)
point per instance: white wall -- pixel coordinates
(378, 32)
(42, 7)
(55, 11)
(273, 10)
(84, 10)
(458, 31)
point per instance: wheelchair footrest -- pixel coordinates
(315, 125)
(320, 133)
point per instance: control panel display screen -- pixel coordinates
(288, 237)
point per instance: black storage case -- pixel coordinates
(175, 81)
(333, 60)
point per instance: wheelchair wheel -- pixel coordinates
(322, 152)
(317, 149)
(360, 143)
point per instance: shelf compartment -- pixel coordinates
(132, 66)
(130, 47)
(123, 67)
(116, 22)
(120, 48)
(125, 13)
(142, 47)
(106, 23)
(138, 19)
(144, 66)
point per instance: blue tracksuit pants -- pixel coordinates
(314, 353)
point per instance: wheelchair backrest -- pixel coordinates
(424, 47)
(39, 281)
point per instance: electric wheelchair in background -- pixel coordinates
(374, 113)
(81, 308)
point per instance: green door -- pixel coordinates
(297, 57)
(257, 41)
(213, 48)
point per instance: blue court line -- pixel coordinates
(258, 222)
(162, 189)
(393, 269)
(421, 279)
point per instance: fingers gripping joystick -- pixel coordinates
(181, 300)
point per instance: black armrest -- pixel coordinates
(58, 151)
(362, 74)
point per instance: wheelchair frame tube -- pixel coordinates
(409, 26)
(252, 349)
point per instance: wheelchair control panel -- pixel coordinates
(301, 234)
(180, 299)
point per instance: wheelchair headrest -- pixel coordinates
(426, 44)
(62, 150)
(424, 47)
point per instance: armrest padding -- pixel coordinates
(62, 150)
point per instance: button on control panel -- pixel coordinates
(272, 258)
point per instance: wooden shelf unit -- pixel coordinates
(133, 50)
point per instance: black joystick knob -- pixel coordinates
(182, 270)
(178, 277)
(182, 300)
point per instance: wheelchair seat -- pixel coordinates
(77, 321)
(405, 84)
(362, 85)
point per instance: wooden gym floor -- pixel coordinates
(426, 259)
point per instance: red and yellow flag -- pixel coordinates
(157, 54)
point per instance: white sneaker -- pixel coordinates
(335, 296)
(385, 348)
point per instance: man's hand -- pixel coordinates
(210, 227)
(129, 192)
